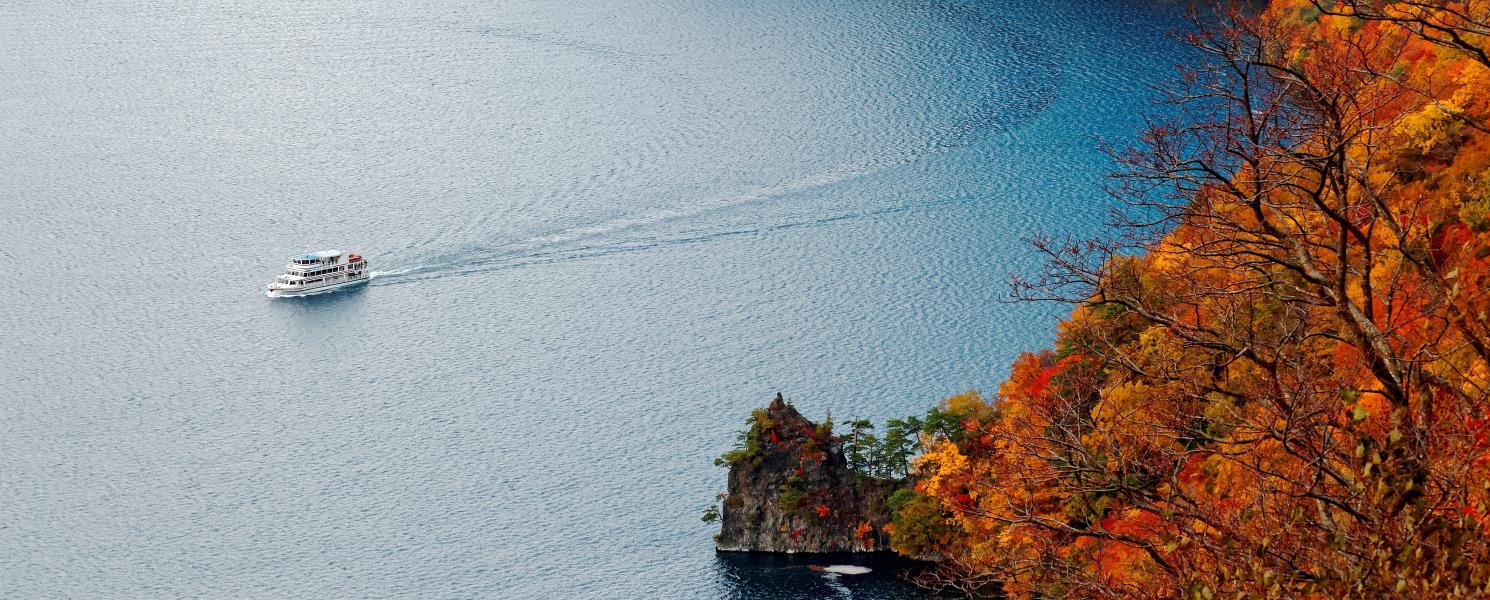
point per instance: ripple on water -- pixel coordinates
(603, 230)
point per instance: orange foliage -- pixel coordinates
(1286, 395)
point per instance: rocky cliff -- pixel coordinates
(791, 490)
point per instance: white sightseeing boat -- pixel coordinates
(319, 272)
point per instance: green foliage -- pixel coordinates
(948, 420)
(713, 513)
(900, 497)
(901, 443)
(1474, 210)
(1106, 311)
(887, 458)
(825, 429)
(890, 457)
(748, 443)
(858, 445)
(790, 499)
(921, 525)
(940, 423)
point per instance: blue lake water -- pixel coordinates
(604, 230)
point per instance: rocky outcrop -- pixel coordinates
(791, 490)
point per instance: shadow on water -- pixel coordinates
(321, 310)
(750, 575)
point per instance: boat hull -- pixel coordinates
(300, 292)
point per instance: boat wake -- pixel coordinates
(661, 230)
(760, 212)
(990, 108)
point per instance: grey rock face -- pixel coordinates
(796, 493)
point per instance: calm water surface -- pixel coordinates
(604, 230)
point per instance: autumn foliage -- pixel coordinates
(1274, 380)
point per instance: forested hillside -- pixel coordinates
(1273, 382)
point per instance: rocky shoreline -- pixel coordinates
(791, 490)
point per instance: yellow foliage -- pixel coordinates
(1429, 127)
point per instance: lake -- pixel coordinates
(603, 232)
